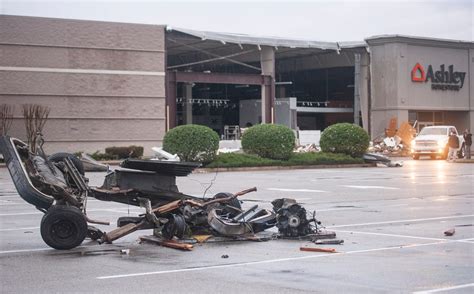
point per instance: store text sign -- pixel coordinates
(443, 79)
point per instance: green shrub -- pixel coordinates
(240, 160)
(103, 156)
(125, 152)
(269, 141)
(311, 158)
(194, 143)
(345, 138)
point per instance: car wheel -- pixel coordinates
(60, 156)
(176, 226)
(235, 203)
(63, 227)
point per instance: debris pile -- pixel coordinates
(60, 189)
(307, 148)
(387, 145)
(395, 142)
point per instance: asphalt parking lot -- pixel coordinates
(391, 219)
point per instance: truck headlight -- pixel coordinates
(413, 143)
(441, 144)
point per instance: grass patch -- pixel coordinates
(249, 160)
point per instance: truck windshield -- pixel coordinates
(433, 131)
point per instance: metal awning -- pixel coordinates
(243, 39)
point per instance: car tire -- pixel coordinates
(63, 227)
(60, 156)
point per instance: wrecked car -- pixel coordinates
(57, 186)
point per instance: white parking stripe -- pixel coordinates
(19, 229)
(21, 213)
(445, 289)
(296, 190)
(335, 209)
(90, 210)
(370, 187)
(403, 221)
(266, 261)
(393, 235)
(25, 250)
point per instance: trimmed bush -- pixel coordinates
(269, 141)
(193, 143)
(125, 152)
(345, 138)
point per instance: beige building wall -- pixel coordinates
(104, 82)
(394, 94)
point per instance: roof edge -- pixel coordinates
(244, 39)
(382, 39)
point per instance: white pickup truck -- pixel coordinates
(433, 141)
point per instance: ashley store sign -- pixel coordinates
(443, 79)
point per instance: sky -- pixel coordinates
(337, 20)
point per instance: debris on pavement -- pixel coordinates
(450, 232)
(167, 243)
(291, 219)
(329, 242)
(381, 159)
(60, 190)
(317, 249)
(125, 251)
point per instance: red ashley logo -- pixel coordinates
(421, 76)
(443, 79)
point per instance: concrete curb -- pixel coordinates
(260, 168)
(265, 168)
(464, 161)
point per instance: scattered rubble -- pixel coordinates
(449, 232)
(394, 142)
(307, 148)
(317, 249)
(381, 159)
(60, 190)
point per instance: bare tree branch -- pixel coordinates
(6, 118)
(35, 118)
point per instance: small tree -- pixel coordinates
(35, 118)
(6, 118)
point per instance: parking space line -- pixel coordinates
(297, 190)
(445, 289)
(267, 261)
(21, 213)
(19, 229)
(393, 235)
(90, 210)
(25, 250)
(371, 187)
(403, 221)
(341, 208)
